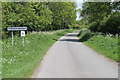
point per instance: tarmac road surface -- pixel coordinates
(70, 58)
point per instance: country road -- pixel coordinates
(69, 58)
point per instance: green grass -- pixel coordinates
(20, 61)
(0, 58)
(106, 45)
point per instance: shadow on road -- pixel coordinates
(74, 34)
(70, 40)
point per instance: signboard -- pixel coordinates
(22, 33)
(22, 29)
(16, 28)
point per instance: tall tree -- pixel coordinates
(63, 13)
(101, 16)
(37, 15)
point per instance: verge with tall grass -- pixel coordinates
(106, 44)
(20, 61)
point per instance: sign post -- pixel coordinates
(22, 29)
(12, 38)
(23, 35)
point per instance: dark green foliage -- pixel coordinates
(111, 24)
(33, 15)
(85, 35)
(63, 14)
(102, 16)
(37, 16)
(94, 26)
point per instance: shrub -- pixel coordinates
(94, 26)
(85, 34)
(112, 24)
(109, 24)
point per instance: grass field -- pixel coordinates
(20, 61)
(0, 58)
(104, 44)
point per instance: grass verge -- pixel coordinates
(20, 61)
(104, 44)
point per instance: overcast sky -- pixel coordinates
(79, 3)
(79, 6)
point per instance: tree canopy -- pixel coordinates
(102, 16)
(37, 16)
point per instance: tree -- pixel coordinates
(101, 16)
(38, 16)
(34, 15)
(63, 14)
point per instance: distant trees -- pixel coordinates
(63, 14)
(102, 16)
(37, 16)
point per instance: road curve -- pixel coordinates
(69, 58)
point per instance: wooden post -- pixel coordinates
(12, 38)
(23, 41)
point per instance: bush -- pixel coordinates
(83, 26)
(85, 34)
(74, 26)
(94, 26)
(111, 24)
